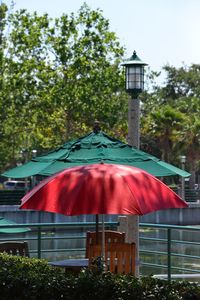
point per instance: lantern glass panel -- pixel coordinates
(134, 78)
(131, 70)
(138, 70)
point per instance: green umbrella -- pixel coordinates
(94, 147)
(11, 230)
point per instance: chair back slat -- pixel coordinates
(15, 248)
(110, 237)
(119, 257)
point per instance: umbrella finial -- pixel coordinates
(96, 127)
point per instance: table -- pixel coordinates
(73, 265)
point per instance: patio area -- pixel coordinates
(166, 251)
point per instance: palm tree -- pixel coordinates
(190, 145)
(164, 124)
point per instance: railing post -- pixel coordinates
(39, 242)
(169, 254)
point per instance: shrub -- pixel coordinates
(29, 278)
(24, 278)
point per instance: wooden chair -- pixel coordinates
(119, 257)
(110, 237)
(15, 248)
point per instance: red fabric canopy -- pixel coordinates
(101, 189)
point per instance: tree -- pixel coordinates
(165, 124)
(171, 115)
(59, 76)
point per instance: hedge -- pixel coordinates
(24, 278)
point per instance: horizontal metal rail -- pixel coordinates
(165, 241)
(55, 225)
(166, 226)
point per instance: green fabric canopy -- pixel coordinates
(93, 148)
(11, 230)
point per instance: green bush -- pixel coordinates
(31, 279)
(28, 278)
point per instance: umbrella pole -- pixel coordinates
(103, 244)
(97, 229)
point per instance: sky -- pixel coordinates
(161, 31)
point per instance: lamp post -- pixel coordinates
(34, 153)
(134, 69)
(24, 154)
(134, 76)
(183, 160)
(33, 178)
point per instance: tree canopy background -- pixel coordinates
(57, 76)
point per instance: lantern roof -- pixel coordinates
(133, 60)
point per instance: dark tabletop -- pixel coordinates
(79, 262)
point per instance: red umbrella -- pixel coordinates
(101, 189)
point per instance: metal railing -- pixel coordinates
(191, 195)
(177, 245)
(13, 197)
(41, 233)
(164, 243)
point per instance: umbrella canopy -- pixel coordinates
(101, 189)
(11, 230)
(91, 149)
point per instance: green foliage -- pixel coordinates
(27, 278)
(58, 76)
(24, 278)
(165, 125)
(170, 115)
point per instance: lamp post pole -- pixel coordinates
(134, 86)
(134, 140)
(134, 122)
(33, 178)
(24, 153)
(183, 160)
